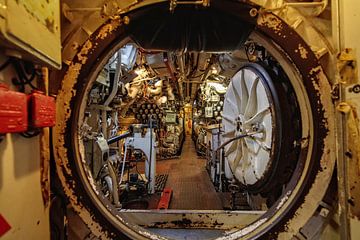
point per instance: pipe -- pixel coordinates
(158, 88)
(123, 166)
(115, 184)
(104, 123)
(118, 137)
(170, 93)
(166, 61)
(132, 92)
(152, 173)
(111, 96)
(115, 86)
(182, 75)
(142, 80)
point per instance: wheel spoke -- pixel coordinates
(250, 111)
(233, 146)
(250, 144)
(229, 134)
(227, 118)
(236, 93)
(251, 106)
(233, 107)
(258, 116)
(244, 93)
(262, 144)
(239, 155)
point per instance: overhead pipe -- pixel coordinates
(115, 86)
(158, 88)
(182, 74)
(172, 76)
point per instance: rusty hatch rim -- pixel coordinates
(309, 68)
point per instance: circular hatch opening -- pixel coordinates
(212, 86)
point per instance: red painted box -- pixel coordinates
(13, 111)
(42, 110)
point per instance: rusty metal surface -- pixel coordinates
(45, 146)
(315, 81)
(61, 151)
(192, 219)
(352, 169)
(317, 85)
(186, 234)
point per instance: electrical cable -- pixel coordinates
(123, 166)
(23, 79)
(138, 172)
(30, 134)
(233, 139)
(5, 64)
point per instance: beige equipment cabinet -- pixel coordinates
(31, 30)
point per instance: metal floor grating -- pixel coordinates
(160, 182)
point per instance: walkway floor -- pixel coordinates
(189, 180)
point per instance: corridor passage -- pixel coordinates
(189, 180)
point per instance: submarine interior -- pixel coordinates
(212, 119)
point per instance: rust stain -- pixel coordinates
(108, 28)
(326, 162)
(82, 55)
(64, 97)
(319, 88)
(347, 66)
(45, 165)
(270, 21)
(43, 85)
(303, 52)
(244, 231)
(353, 157)
(187, 223)
(63, 114)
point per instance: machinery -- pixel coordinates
(145, 144)
(211, 119)
(274, 147)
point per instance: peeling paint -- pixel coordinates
(242, 232)
(353, 157)
(323, 176)
(66, 95)
(347, 67)
(108, 28)
(303, 52)
(283, 200)
(270, 21)
(82, 55)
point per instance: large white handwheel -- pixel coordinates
(248, 109)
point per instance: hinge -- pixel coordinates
(347, 67)
(335, 92)
(174, 3)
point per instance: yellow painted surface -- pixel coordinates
(20, 191)
(350, 35)
(349, 23)
(34, 27)
(21, 201)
